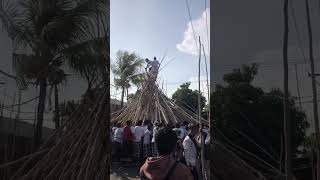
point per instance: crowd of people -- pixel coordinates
(159, 145)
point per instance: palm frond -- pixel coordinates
(26, 66)
(13, 22)
(86, 58)
(138, 79)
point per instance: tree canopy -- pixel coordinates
(127, 71)
(246, 114)
(188, 98)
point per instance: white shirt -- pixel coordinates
(207, 141)
(113, 129)
(132, 129)
(155, 64)
(184, 132)
(190, 151)
(155, 130)
(138, 133)
(147, 137)
(118, 134)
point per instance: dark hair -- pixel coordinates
(166, 141)
(185, 123)
(128, 123)
(177, 125)
(139, 123)
(146, 122)
(118, 125)
(154, 58)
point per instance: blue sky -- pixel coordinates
(150, 27)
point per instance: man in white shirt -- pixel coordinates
(154, 67)
(178, 131)
(191, 150)
(147, 142)
(183, 128)
(117, 141)
(138, 134)
(153, 140)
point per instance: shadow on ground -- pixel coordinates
(124, 171)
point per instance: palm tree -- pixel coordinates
(127, 71)
(45, 34)
(56, 76)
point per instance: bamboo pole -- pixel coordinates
(199, 114)
(287, 123)
(298, 86)
(314, 88)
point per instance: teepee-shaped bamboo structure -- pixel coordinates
(152, 104)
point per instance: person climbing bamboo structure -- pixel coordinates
(152, 104)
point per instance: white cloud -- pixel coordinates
(188, 44)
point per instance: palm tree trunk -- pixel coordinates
(127, 95)
(314, 90)
(287, 123)
(40, 112)
(56, 107)
(122, 97)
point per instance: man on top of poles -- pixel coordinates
(153, 67)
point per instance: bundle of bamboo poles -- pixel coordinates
(79, 151)
(152, 104)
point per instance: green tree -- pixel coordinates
(127, 71)
(245, 114)
(45, 34)
(188, 98)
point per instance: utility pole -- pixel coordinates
(314, 88)
(199, 115)
(287, 123)
(298, 87)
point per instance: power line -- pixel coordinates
(297, 31)
(194, 35)
(23, 103)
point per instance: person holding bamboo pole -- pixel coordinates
(191, 150)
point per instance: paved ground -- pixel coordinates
(124, 171)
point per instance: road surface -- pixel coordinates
(124, 171)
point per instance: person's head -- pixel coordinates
(185, 123)
(118, 125)
(147, 60)
(128, 123)
(149, 126)
(146, 122)
(193, 129)
(156, 124)
(177, 125)
(154, 58)
(139, 123)
(160, 124)
(166, 141)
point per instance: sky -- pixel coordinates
(152, 27)
(249, 31)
